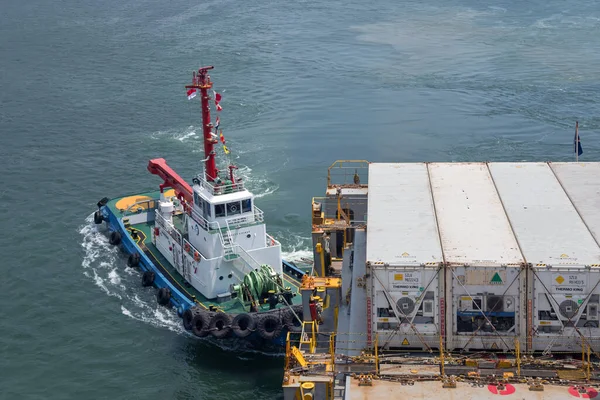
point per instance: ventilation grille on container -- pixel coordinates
(495, 303)
(568, 308)
(405, 305)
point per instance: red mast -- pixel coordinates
(202, 82)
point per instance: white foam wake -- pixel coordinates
(106, 267)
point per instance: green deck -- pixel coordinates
(144, 241)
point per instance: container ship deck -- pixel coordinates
(461, 280)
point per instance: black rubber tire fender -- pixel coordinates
(115, 238)
(133, 260)
(269, 326)
(200, 324)
(188, 316)
(98, 218)
(291, 322)
(163, 296)
(220, 325)
(148, 278)
(243, 325)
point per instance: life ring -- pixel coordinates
(98, 218)
(186, 246)
(200, 324)
(148, 278)
(163, 296)
(196, 256)
(220, 325)
(133, 260)
(115, 238)
(272, 242)
(269, 326)
(291, 322)
(243, 325)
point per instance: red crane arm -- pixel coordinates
(158, 166)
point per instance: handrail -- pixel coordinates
(138, 203)
(216, 190)
(257, 216)
(271, 241)
(192, 250)
(170, 228)
(335, 203)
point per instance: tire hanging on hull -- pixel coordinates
(188, 317)
(148, 278)
(269, 326)
(220, 325)
(291, 322)
(163, 296)
(133, 260)
(200, 324)
(115, 238)
(243, 325)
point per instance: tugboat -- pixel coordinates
(205, 247)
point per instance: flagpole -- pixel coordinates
(576, 141)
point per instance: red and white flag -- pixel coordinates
(217, 100)
(191, 93)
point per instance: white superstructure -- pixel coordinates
(224, 237)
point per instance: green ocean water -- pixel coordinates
(89, 91)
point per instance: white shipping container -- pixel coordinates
(562, 252)
(406, 310)
(485, 274)
(405, 257)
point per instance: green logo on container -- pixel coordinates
(496, 279)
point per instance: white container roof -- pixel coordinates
(401, 227)
(473, 226)
(548, 228)
(581, 181)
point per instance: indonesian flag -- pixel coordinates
(191, 93)
(217, 100)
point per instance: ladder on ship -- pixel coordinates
(229, 246)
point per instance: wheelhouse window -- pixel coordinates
(233, 208)
(206, 209)
(219, 210)
(246, 205)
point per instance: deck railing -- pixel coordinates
(256, 217)
(168, 227)
(139, 207)
(271, 241)
(217, 189)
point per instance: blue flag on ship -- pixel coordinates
(577, 143)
